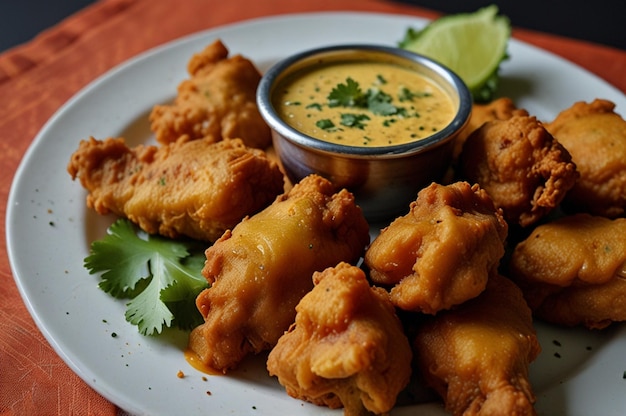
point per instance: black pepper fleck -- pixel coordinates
(557, 355)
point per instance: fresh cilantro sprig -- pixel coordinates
(161, 277)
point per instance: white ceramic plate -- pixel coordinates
(49, 231)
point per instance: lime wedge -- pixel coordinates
(471, 44)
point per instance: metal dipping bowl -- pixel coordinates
(385, 179)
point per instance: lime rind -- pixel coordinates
(471, 44)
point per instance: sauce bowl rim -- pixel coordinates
(269, 113)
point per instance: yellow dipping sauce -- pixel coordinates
(363, 103)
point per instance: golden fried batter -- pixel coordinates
(498, 109)
(477, 355)
(346, 348)
(523, 168)
(595, 136)
(218, 101)
(441, 253)
(193, 188)
(260, 270)
(573, 270)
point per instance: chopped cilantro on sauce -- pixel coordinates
(363, 103)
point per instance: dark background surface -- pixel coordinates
(21, 20)
(598, 21)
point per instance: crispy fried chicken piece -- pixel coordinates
(217, 101)
(192, 188)
(477, 355)
(523, 168)
(498, 109)
(347, 346)
(441, 253)
(595, 136)
(260, 270)
(573, 270)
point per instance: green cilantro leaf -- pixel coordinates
(325, 124)
(379, 103)
(354, 120)
(147, 310)
(406, 94)
(181, 297)
(347, 95)
(161, 276)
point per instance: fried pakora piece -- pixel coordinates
(441, 253)
(218, 101)
(523, 168)
(260, 270)
(573, 270)
(477, 356)
(595, 136)
(347, 347)
(498, 109)
(188, 188)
